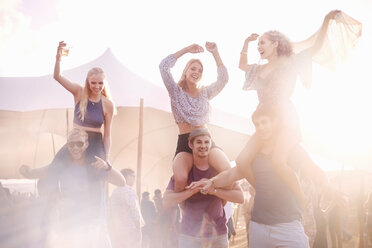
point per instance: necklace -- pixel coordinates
(93, 103)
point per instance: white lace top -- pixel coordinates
(187, 109)
(278, 86)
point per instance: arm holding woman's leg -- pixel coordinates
(227, 177)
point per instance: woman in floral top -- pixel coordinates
(191, 107)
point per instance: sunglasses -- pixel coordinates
(79, 144)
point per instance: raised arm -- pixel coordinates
(74, 88)
(194, 48)
(167, 63)
(212, 48)
(322, 32)
(222, 75)
(243, 62)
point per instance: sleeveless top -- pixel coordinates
(204, 215)
(94, 116)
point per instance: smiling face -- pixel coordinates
(265, 126)
(200, 146)
(77, 145)
(96, 83)
(267, 48)
(194, 73)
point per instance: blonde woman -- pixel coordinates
(93, 107)
(191, 108)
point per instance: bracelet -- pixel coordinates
(109, 166)
(214, 192)
(243, 52)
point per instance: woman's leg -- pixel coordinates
(95, 148)
(246, 157)
(218, 160)
(182, 164)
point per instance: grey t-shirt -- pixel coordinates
(274, 202)
(82, 191)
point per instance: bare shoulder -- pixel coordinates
(107, 102)
(108, 105)
(78, 93)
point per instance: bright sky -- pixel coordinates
(335, 113)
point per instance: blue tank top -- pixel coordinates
(94, 116)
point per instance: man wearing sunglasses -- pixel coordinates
(82, 194)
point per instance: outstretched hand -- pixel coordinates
(195, 48)
(60, 47)
(333, 14)
(194, 190)
(252, 37)
(100, 163)
(211, 46)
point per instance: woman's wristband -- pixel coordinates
(244, 52)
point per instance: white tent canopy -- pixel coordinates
(36, 113)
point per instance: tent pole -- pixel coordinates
(361, 214)
(139, 151)
(38, 137)
(54, 145)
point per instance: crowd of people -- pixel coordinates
(73, 189)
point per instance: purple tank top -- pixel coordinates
(204, 215)
(94, 116)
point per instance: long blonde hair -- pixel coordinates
(87, 91)
(182, 82)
